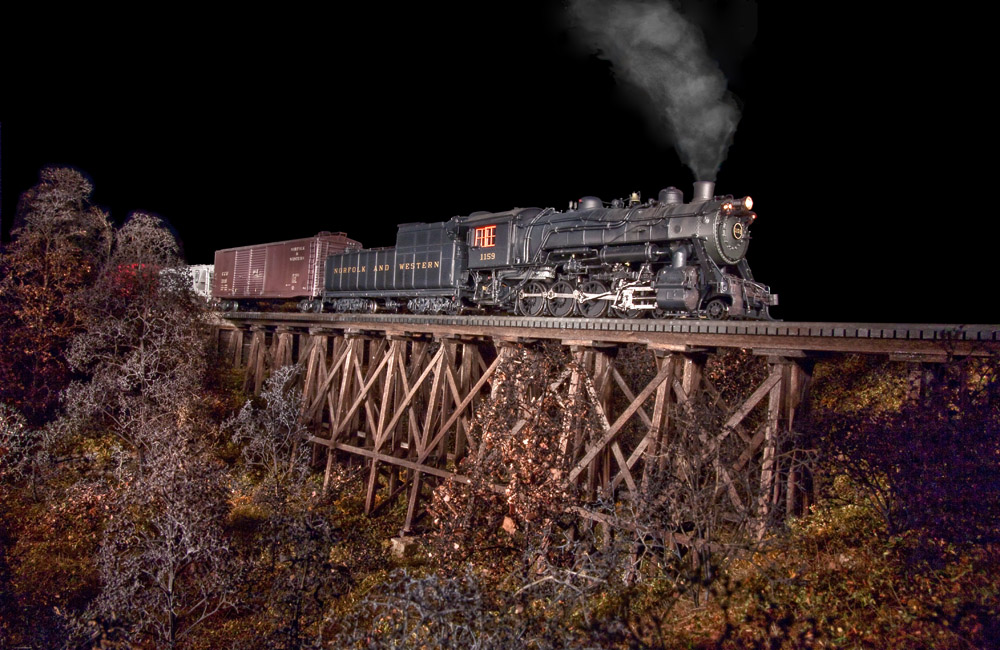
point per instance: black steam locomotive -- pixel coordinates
(628, 259)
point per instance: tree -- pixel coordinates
(933, 463)
(60, 241)
(16, 444)
(142, 359)
(297, 577)
(290, 574)
(433, 611)
(272, 437)
(526, 430)
(144, 351)
(163, 562)
(25, 453)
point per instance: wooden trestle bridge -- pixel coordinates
(400, 392)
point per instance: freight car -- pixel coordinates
(201, 280)
(197, 276)
(266, 274)
(628, 259)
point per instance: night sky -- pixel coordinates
(244, 129)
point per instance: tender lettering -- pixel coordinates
(409, 266)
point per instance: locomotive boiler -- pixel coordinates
(628, 258)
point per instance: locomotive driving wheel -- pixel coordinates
(595, 307)
(717, 309)
(628, 313)
(561, 300)
(531, 300)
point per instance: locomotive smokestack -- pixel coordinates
(703, 191)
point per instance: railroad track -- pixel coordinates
(904, 341)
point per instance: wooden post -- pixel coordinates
(469, 352)
(655, 459)
(796, 498)
(257, 362)
(313, 360)
(282, 345)
(338, 401)
(236, 348)
(381, 433)
(786, 398)
(771, 431)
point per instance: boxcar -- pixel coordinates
(277, 272)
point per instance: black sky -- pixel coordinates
(242, 128)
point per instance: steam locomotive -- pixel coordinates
(629, 258)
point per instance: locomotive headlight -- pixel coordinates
(748, 203)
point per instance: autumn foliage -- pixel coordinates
(60, 242)
(528, 434)
(147, 502)
(926, 461)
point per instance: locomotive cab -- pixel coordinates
(488, 237)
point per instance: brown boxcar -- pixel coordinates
(277, 271)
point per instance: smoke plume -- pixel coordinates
(651, 46)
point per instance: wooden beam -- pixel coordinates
(331, 373)
(372, 376)
(413, 389)
(391, 356)
(468, 398)
(771, 430)
(736, 418)
(660, 377)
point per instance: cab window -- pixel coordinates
(485, 237)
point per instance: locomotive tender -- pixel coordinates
(628, 259)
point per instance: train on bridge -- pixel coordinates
(628, 258)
